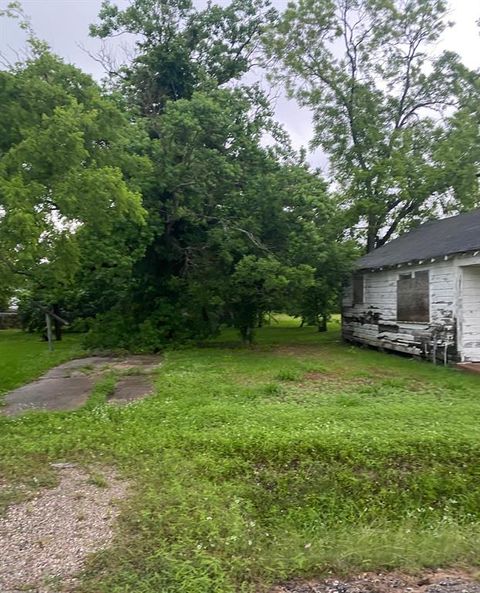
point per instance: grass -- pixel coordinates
(298, 457)
(102, 389)
(24, 357)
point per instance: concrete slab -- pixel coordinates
(67, 386)
(145, 363)
(84, 365)
(131, 388)
(58, 393)
(470, 367)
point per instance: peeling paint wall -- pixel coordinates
(453, 330)
(469, 307)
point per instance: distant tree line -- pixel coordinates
(151, 209)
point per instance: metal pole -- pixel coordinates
(49, 331)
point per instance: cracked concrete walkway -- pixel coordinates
(67, 386)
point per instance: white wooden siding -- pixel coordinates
(454, 326)
(470, 335)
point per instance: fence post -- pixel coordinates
(49, 331)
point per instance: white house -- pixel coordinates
(420, 294)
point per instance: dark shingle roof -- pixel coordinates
(456, 234)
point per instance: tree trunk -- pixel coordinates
(57, 324)
(371, 233)
(247, 334)
(322, 323)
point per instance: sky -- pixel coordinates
(64, 25)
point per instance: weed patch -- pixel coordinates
(289, 375)
(103, 388)
(241, 478)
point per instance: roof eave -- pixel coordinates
(418, 262)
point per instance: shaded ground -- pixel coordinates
(393, 582)
(45, 541)
(67, 386)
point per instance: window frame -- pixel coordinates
(356, 278)
(412, 294)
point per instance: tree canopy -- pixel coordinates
(167, 202)
(367, 70)
(67, 177)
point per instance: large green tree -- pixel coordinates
(367, 71)
(69, 183)
(224, 211)
(179, 49)
(230, 224)
(458, 148)
(159, 210)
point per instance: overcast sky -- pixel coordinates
(64, 25)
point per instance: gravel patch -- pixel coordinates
(44, 542)
(428, 582)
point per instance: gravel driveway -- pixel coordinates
(44, 542)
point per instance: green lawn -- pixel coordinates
(296, 457)
(24, 357)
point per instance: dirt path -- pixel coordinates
(67, 386)
(439, 581)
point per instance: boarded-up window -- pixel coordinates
(413, 297)
(358, 289)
